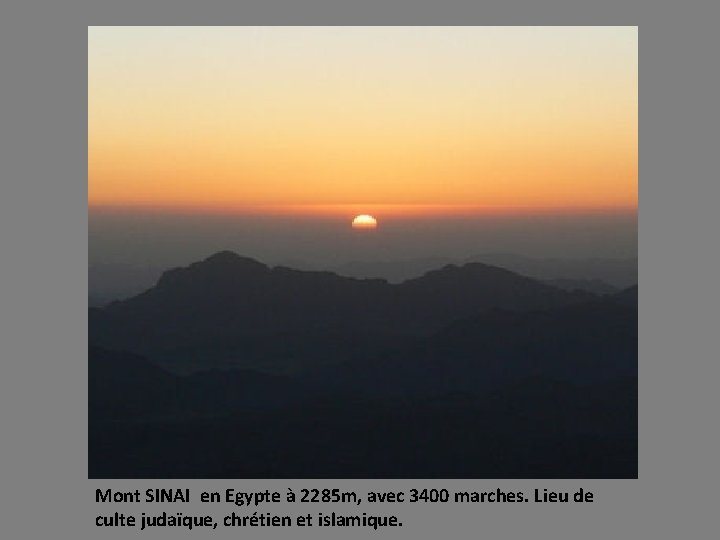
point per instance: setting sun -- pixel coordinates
(364, 221)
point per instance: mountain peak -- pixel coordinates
(452, 272)
(230, 257)
(220, 266)
(228, 263)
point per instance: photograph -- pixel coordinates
(362, 252)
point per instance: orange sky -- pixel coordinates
(302, 119)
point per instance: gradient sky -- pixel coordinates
(363, 119)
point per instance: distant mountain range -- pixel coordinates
(108, 282)
(619, 273)
(229, 310)
(594, 286)
(591, 274)
(229, 368)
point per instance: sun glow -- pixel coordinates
(444, 120)
(364, 221)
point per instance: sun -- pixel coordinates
(364, 221)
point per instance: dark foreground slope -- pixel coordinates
(535, 429)
(538, 393)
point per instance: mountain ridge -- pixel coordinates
(227, 306)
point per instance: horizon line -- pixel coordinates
(387, 210)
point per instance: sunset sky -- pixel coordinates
(363, 119)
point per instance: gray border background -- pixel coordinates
(44, 490)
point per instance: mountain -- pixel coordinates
(595, 286)
(241, 425)
(497, 376)
(584, 343)
(233, 311)
(393, 271)
(600, 275)
(127, 386)
(112, 281)
(620, 273)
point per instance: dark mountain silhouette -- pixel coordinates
(128, 386)
(230, 310)
(122, 385)
(393, 271)
(595, 286)
(465, 372)
(581, 344)
(616, 272)
(594, 274)
(114, 281)
(542, 394)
